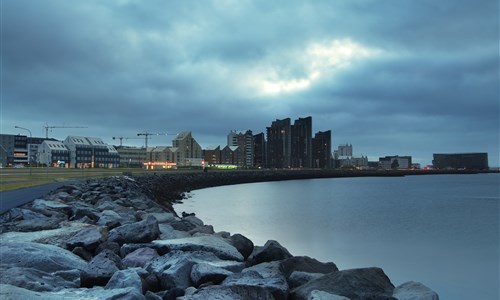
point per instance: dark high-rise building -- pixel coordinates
(322, 150)
(302, 143)
(279, 144)
(259, 150)
(468, 161)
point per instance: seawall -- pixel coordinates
(119, 238)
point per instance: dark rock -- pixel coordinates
(109, 219)
(126, 249)
(167, 232)
(42, 204)
(240, 292)
(100, 269)
(172, 294)
(367, 283)
(107, 245)
(203, 272)
(182, 225)
(34, 280)
(139, 232)
(125, 278)
(88, 238)
(242, 244)
(139, 257)
(44, 223)
(272, 251)
(209, 243)
(80, 210)
(42, 257)
(306, 264)
(83, 253)
(18, 214)
(193, 220)
(205, 229)
(152, 296)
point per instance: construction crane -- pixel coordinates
(147, 135)
(47, 127)
(121, 138)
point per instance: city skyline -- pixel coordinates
(391, 78)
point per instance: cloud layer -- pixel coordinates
(390, 77)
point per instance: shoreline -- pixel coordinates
(121, 238)
(170, 188)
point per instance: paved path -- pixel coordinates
(15, 198)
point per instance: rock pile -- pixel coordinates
(109, 239)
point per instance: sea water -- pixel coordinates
(441, 230)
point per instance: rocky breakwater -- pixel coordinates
(108, 239)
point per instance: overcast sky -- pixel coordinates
(391, 77)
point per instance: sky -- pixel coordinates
(390, 77)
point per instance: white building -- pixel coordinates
(53, 153)
(90, 152)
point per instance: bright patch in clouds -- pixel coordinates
(317, 60)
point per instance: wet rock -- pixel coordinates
(211, 243)
(414, 291)
(239, 292)
(100, 269)
(202, 273)
(124, 279)
(35, 280)
(12, 292)
(242, 244)
(306, 264)
(42, 257)
(367, 283)
(88, 238)
(138, 232)
(50, 205)
(272, 251)
(139, 257)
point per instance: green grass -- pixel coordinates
(11, 179)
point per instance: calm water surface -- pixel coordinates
(441, 230)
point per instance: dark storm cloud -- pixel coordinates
(388, 76)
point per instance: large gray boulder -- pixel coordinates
(203, 273)
(243, 244)
(42, 257)
(88, 238)
(10, 292)
(139, 232)
(414, 291)
(42, 204)
(298, 278)
(100, 269)
(271, 251)
(35, 280)
(367, 283)
(127, 278)
(320, 295)
(209, 243)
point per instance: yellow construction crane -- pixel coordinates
(47, 127)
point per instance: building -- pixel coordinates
(469, 161)
(279, 152)
(244, 143)
(301, 143)
(259, 150)
(344, 151)
(131, 157)
(90, 152)
(185, 149)
(322, 150)
(395, 162)
(53, 154)
(212, 156)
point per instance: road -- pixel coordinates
(15, 198)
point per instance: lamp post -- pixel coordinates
(31, 140)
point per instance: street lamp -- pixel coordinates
(31, 140)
